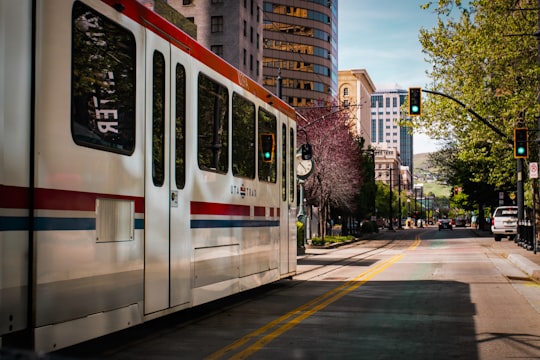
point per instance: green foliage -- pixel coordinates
(317, 241)
(477, 58)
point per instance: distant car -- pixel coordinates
(504, 222)
(445, 224)
(462, 222)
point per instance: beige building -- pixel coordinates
(387, 164)
(355, 89)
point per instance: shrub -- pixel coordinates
(369, 227)
(300, 229)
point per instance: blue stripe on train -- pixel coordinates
(204, 224)
(21, 223)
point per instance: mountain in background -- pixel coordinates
(427, 175)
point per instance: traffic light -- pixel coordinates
(306, 152)
(267, 147)
(521, 143)
(415, 101)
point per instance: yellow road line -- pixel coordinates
(304, 311)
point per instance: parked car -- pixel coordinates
(461, 222)
(445, 224)
(504, 222)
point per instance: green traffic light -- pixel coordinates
(521, 151)
(415, 108)
(267, 155)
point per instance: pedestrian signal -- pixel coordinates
(267, 147)
(306, 152)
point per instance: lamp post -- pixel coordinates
(390, 227)
(399, 200)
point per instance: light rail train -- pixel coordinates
(140, 174)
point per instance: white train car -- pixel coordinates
(140, 174)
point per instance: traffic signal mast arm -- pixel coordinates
(475, 114)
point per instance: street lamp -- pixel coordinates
(399, 200)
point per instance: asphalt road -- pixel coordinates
(408, 294)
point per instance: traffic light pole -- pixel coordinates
(474, 113)
(519, 165)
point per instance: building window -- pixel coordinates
(216, 24)
(245, 57)
(217, 49)
(346, 91)
(187, 2)
(245, 28)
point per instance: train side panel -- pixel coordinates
(89, 198)
(15, 127)
(142, 194)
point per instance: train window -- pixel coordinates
(158, 119)
(243, 137)
(102, 82)
(267, 125)
(284, 153)
(213, 125)
(180, 132)
(292, 171)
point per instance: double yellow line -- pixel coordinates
(296, 316)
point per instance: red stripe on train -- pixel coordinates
(15, 197)
(207, 208)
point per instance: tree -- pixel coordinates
(487, 58)
(336, 176)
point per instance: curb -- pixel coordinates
(526, 265)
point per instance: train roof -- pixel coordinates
(162, 27)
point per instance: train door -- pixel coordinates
(180, 257)
(287, 212)
(157, 180)
(166, 251)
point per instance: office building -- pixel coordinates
(386, 127)
(232, 29)
(300, 47)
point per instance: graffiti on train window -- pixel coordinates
(102, 82)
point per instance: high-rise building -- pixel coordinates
(232, 29)
(300, 47)
(386, 117)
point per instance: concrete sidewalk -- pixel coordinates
(526, 260)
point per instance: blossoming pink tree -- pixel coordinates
(337, 174)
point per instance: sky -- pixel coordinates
(381, 36)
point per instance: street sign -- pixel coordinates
(533, 170)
